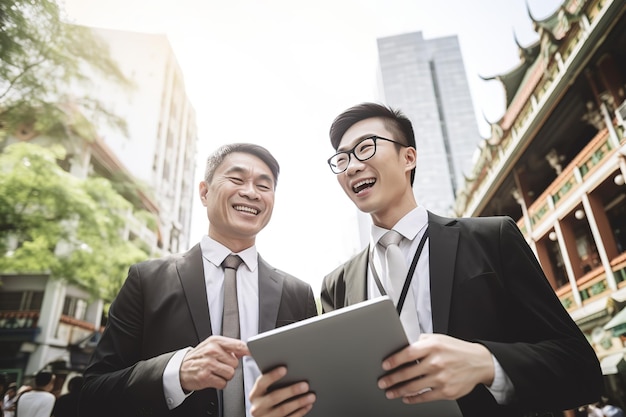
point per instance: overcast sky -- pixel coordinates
(276, 73)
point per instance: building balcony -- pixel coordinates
(577, 225)
(594, 285)
(72, 330)
(594, 156)
(19, 326)
(23, 325)
(138, 231)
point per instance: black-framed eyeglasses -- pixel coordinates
(362, 151)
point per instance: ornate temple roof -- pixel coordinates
(536, 67)
(551, 30)
(512, 79)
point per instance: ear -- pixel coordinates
(203, 190)
(410, 158)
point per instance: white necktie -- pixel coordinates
(396, 274)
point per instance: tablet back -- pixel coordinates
(340, 354)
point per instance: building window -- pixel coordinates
(75, 307)
(21, 300)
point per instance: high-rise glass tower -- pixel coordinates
(425, 78)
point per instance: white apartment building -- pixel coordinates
(45, 321)
(160, 149)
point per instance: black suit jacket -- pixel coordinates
(162, 307)
(487, 287)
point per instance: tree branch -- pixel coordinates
(20, 75)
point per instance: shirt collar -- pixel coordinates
(408, 226)
(215, 252)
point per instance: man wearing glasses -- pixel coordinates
(484, 325)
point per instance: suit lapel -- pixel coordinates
(444, 239)
(355, 277)
(191, 275)
(270, 290)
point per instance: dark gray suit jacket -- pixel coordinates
(487, 286)
(162, 307)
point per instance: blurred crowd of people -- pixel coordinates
(603, 408)
(37, 399)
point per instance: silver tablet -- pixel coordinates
(340, 354)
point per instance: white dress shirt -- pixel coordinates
(213, 253)
(413, 226)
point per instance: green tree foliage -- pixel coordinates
(53, 222)
(42, 59)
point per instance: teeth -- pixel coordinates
(246, 209)
(360, 183)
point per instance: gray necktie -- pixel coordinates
(395, 276)
(234, 403)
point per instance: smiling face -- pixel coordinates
(239, 200)
(379, 186)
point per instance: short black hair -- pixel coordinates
(43, 378)
(217, 157)
(395, 120)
